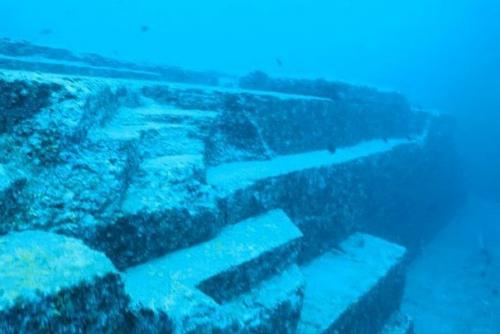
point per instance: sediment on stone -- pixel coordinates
(354, 289)
(218, 272)
(55, 284)
(327, 195)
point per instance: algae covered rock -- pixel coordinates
(55, 284)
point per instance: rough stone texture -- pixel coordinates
(354, 289)
(432, 173)
(22, 55)
(11, 184)
(168, 180)
(123, 164)
(330, 197)
(274, 306)
(55, 284)
(189, 286)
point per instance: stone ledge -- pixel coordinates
(189, 284)
(363, 277)
(51, 283)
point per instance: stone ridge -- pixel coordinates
(224, 208)
(238, 175)
(22, 55)
(223, 282)
(233, 247)
(123, 164)
(335, 299)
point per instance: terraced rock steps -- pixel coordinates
(204, 286)
(201, 195)
(54, 284)
(354, 289)
(238, 175)
(302, 183)
(168, 172)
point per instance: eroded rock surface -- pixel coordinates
(220, 206)
(55, 284)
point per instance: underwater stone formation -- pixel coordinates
(54, 284)
(225, 209)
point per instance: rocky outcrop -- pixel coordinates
(55, 284)
(225, 209)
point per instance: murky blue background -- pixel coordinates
(442, 54)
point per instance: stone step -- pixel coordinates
(239, 175)
(152, 124)
(354, 289)
(54, 284)
(216, 272)
(164, 203)
(157, 129)
(273, 306)
(324, 193)
(73, 68)
(167, 206)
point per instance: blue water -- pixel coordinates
(441, 54)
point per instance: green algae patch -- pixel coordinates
(35, 264)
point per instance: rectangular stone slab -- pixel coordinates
(237, 258)
(188, 286)
(55, 284)
(237, 175)
(354, 289)
(328, 195)
(273, 306)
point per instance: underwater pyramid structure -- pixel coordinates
(139, 199)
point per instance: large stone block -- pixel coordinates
(195, 286)
(354, 289)
(327, 194)
(55, 284)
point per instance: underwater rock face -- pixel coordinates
(358, 297)
(249, 263)
(223, 208)
(55, 284)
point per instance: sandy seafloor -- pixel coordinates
(453, 286)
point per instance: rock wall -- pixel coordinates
(262, 183)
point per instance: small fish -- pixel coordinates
(279, 62)
(144, 28)
(385, 139)
(482, 273)
(331, 148)
(46, 31)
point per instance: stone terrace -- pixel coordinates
(140, 205)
